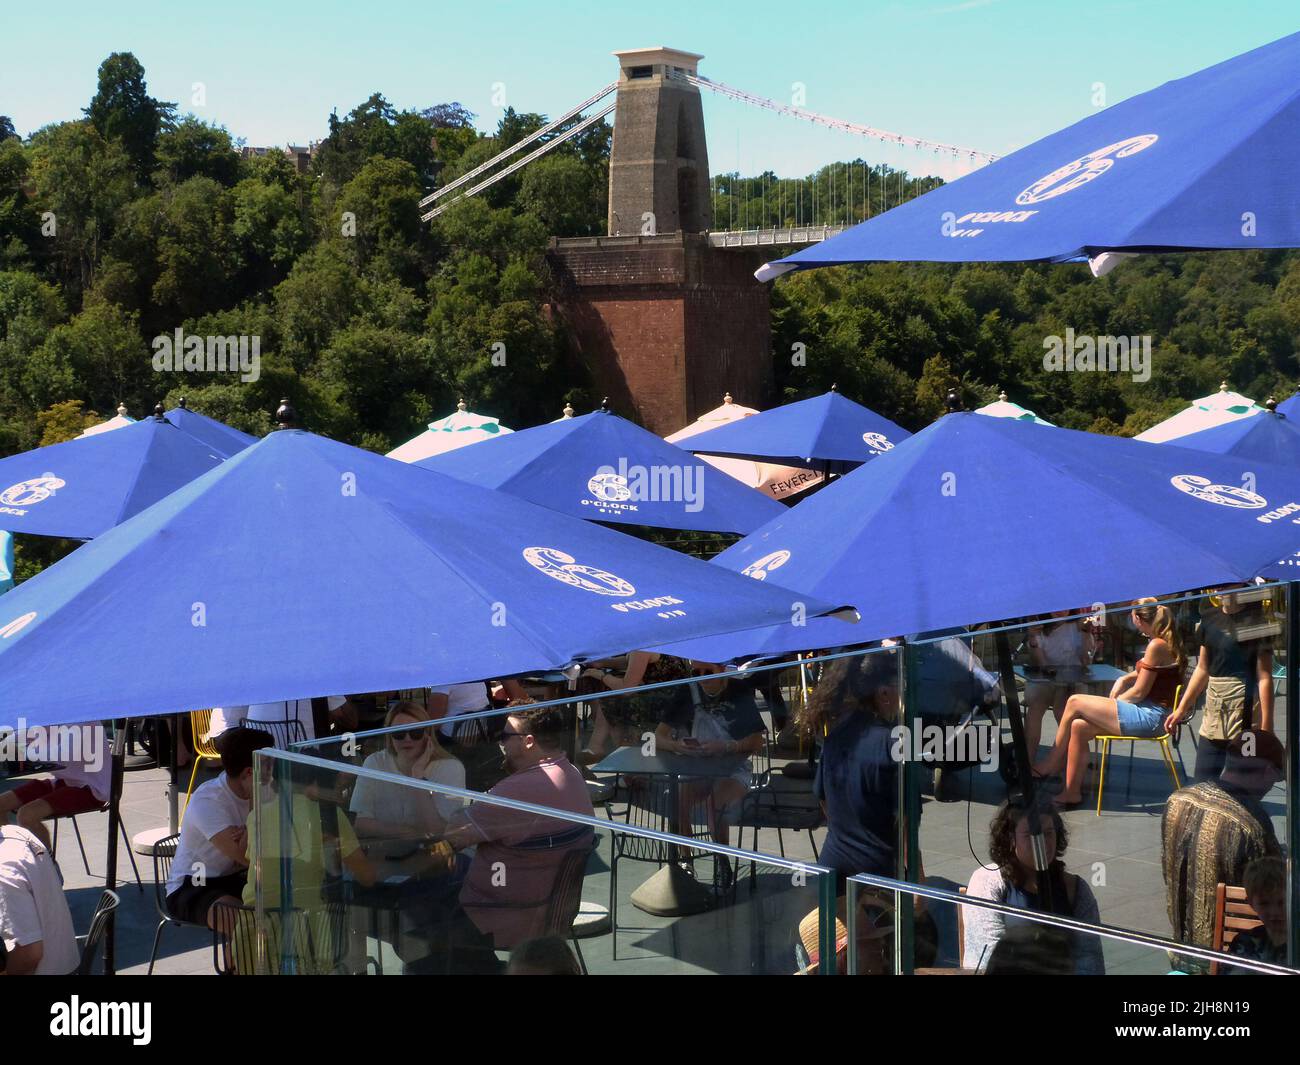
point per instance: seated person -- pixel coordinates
(1212, 831)
(622, 720)
(1266, 892)
(35, 924)
(1139, 702)
(1028, 949)
(473, 740)
(211, 862)
(397, 814)
(1013, 881)
(547, 956)
(714, 716)
(321, 846)
(518, 855)
(82, 784)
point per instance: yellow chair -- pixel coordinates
(1166, 749)
(205, 749)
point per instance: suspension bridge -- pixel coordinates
(663, 309)
(646, 133)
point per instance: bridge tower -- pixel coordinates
(659, 162)
(665, 322)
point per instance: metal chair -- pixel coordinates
(164, 851)
(762, 808)
(1166, 749)
(254, 947)
(651, 806)
(121, 825)
(205, 749)
(100, 923)
(563, 901)
(284, 733)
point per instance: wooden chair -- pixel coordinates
(961, 932)
(1232, 916)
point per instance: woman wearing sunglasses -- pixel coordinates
(397, 814)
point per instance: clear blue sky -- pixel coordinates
(991, 74)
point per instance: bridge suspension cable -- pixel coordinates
(549, 128)
(832, 123)
(584, 124)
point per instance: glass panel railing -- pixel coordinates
(898, 760)
(886, 927)
(392, 872)
(1128, 821)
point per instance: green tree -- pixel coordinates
(85, 182)
(192, 148)
(122, 110)
(64, 421)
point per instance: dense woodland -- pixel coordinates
(131, 220)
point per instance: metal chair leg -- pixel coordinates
(157, 938)
(76, 829)
(130, 853)
(613, 901)
(582, 962)
(1101, 780)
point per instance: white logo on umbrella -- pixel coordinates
(765, 565)
(609, 487)
(25, 493)
(563, 567)
(1084, 169)
(17, 625)
(1225, 495)
(878, 442)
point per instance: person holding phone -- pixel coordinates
(714, 716)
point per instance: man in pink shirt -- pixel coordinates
(518, 854)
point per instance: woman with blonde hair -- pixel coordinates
(1138, 705)
(392, 812)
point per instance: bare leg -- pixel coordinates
(1037, 697)
(1094, 709)
(725, 793)
(1076, 766)
(32, 817)
(8, 804)
(600, 734)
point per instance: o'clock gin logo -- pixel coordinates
(17, 498)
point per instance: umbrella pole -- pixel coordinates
(173, 800)
(1024, 769)
(114, 823)
(1293, 761)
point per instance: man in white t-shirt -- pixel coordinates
(211, 862)
(82, 783)
(35, 924)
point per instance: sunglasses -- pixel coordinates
(507, 734)
(412, 734)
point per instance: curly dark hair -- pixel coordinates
(1002, 833)
(847, 683)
